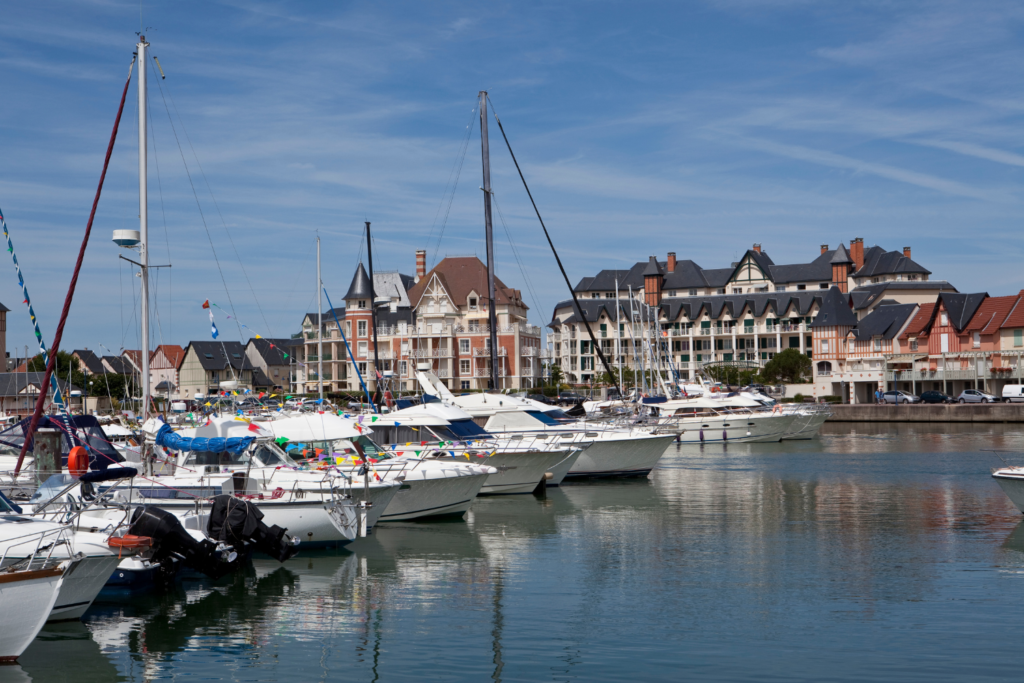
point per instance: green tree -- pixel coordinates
(65, 363)
(555, 376)
(790, 367)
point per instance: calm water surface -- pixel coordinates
(873, 553)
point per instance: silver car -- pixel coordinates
(975, 396)
(899, 397)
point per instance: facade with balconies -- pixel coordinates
(438, 319)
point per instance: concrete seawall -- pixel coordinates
(971, 412)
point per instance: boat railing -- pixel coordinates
(40, 556)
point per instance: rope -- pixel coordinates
(74, 281)
(459, 160)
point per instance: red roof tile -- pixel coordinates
(460, 275)
(1015, 318)
(991, 314)
(919, 324)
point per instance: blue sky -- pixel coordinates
(643, 128)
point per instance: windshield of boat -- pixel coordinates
(269, 455)
(337, 448)
(559, 416)
(223, 458)
(542, 417)
(467, 429)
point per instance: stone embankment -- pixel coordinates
(916, 412)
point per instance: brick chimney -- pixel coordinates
(857, 253)
(906, 251)
(824, 248)
(652, 282)
(421, 263)
(757, 247)
(671, 261)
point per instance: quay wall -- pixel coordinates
(916, 412)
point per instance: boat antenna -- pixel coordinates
(576, 301)
(74, 281)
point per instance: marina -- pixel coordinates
(868, 554)
(351, 377)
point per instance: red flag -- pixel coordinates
(253, 427)
(206, 304)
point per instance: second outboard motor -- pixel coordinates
(172, 541)
(236, 521)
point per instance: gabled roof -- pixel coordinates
(884, 321)
(134, 356)
(328, 316)
(172, 352)
(592, 310)
(652, 268)
(211, 355)
(991, 314)
(718, 277)
(835, 311)
(14, 383)
(920, 323)
(91, 361)
(1015, 318)
(118, 365)
(360, 287)
(461, 275)
(878, 261)
(961, 307)
(272, 350)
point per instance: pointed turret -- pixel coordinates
(360, 287)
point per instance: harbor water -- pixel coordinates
(872, 553)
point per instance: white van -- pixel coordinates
(1013, 393)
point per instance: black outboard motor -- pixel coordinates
(235, 522)
(172, 541)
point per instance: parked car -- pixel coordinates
(935, 397)
(540, 398)
(899, 397)
(1013, 393)
(570, 398)
(975, 396)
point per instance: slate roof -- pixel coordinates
(780, 303)
(460, 275)
(13, 383)
(866, 295)
(878, 261)
(217, 360)
(328, 316)
(840, 255)
(652, 267)
(884, 321)
(118, 365)
(393, 285)
(4, 309)
(834, 311)
(91, 361)
(360, 287)
(961, 307)
(592, 310)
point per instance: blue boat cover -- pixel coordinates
(218, 444)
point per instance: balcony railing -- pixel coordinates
(529, 352)
(486, 372)
(502, 351)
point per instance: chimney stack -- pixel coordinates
(906, 251)
(672, 261)
(421, 263)
(824, 248)
(857, 253)
(757, 247)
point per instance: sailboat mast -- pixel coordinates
(144, 223)
(492, 314)
(373, 313)
(319, 324)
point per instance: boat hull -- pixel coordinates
(805, 427)
(561, 470)
(519, 471)
(1012, 483)
(82, 583)
(27, 598)
(435, 496)
(628, 456)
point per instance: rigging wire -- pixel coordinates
(167, 239)
(206, 227)
(461, 158)
(209, 189)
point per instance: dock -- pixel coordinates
(916, 412)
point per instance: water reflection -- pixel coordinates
(727, 563)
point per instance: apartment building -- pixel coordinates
(440, 318)
(743, 314)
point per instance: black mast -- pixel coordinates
(492, 314)
(373, 315)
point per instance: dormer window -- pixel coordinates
(472, 303)
(693, 292)
(361, 304)
(801, 288)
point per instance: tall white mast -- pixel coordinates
(618, 336)
(319, 323)
(144, 224)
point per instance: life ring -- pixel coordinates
(78, 461)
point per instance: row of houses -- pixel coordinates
(867, 317)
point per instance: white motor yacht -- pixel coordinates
(442, 431)
(1011, 480)
(429, 487)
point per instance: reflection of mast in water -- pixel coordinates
(499, 623)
